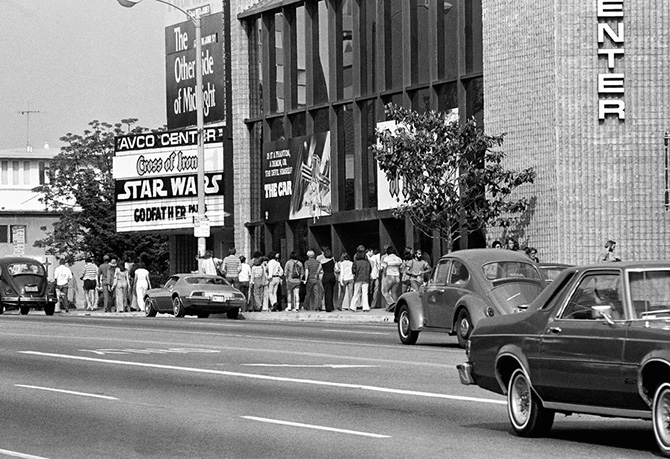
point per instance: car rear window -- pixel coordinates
(17, 269)
(206, 280)
(510, 270)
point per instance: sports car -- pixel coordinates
(596, 341)
(194, 294)
(24, 285)
(465, 287)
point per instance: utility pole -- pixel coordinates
(28, 113)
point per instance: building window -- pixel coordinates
(300, 59)
(298, 125)
(321, 44)
(447, 97)
(474, 94)
(277, 48)
(345, 129)
(473, 36)
(42, 172)
(15, 172)
(346, 47)
(421, 100)
(393, 49)
(369, 120)
(368, 45)
(421, 28)
(4, 178)
(447, 40)
(276, 128)
(4, 234)
(321, 120)
(26, 172)
(256, 70)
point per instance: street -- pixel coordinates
(124, 387)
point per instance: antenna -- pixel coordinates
(28, 113)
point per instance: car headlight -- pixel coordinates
(490, 312)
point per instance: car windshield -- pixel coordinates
(206, 280)
(17, 269)
(650, 293)
(510, 270)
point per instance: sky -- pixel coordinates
(75, 61)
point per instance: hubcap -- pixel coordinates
(465, 327)
(176, 307)
(520, 402)
(404, 324)
(663, 417)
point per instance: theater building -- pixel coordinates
(580, 89)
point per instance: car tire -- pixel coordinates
(233, 313)
(2, 309)
(150, 307)
(203, 315)
(178, 307)
(49, 309)
(661, 418)
(405, 332)
(24, 310)
(463, 327)
(526, 414)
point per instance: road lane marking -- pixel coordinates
(6, 452)
(71, 392)
(312, 426)
(271, 378)
(354, 332)
(288, 365)
(174, 350)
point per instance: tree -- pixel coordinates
(79, 186)
(452, 175)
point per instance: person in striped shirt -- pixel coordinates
(231, 268)
(90, 277)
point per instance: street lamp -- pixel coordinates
(202, 225)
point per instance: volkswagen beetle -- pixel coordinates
(24, 285)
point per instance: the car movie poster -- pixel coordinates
(297, 178)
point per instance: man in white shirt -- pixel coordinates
(63, 275)
(275, 272)
(375, 263)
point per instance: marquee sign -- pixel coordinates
(155, 180)
(611, 84)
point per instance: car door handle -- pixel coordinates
(555, 330)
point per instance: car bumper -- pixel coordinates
(25, 300)
(465, 373)
(207, 305)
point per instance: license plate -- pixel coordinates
(31, 288)
(218, 299)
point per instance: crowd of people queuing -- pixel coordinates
(325, 282)
(512, 244)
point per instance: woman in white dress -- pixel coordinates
(142, 284)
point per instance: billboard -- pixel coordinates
(297, 178)
(180, 72)
(155, 180)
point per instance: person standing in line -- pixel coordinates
(293, 271)
(120, 287)
(408, 257)
(231, 268)
(111, 292)
(142, 284)
(244, 275)
(608, 254)
(374, 259)
(361, 271)
(209, 263)
(391, 268)
(63, 276)
(328, 280)
(345, 274)
(103, 281)
(257, 284)
(275, 273)
(417, 269)
(511, 244)
(133, 290)
(496, 245)
(312, 279)
(89, 276)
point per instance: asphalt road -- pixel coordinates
(125, 387)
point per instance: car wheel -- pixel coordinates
(233, 313)
(405, 332)
(526, 414)
(25, 310)
(150, 307)
(2, 309)
(463, 327)
(178, 307)
(661, 418)
(49, 309)
(203, 315)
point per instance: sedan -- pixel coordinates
(465, 287)
(596, 341)
(24, 285)
(550, 271)
(194, 294)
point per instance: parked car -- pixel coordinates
(194, 294)
(24, 285)
(464, 287)
(550, 271)
(596, 341)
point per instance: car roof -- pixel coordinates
(10, 260)
(482, 256)
(625, 265)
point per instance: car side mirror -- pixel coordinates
(603, 312)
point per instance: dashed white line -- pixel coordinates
(311, 426)
(6, 452)
(354, 332)
(271, 378)
(63, 391)
(288, 365)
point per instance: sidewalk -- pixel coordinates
(374, 316)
